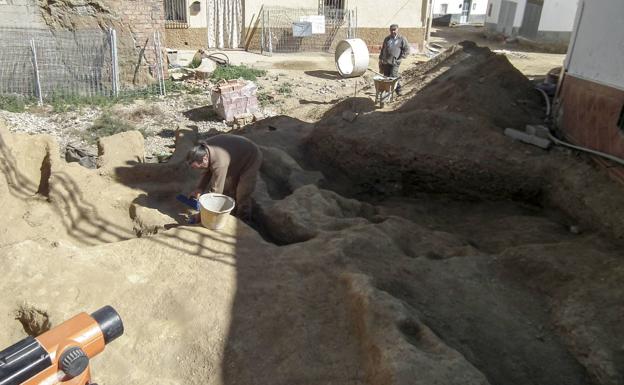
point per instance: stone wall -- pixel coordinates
(374, 37)
(20, 13)
(186, 38)
(135, 22)
(142, 17)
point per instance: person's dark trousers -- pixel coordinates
(392, 71)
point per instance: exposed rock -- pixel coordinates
(119, 150)
(397, 347)
(84, 157)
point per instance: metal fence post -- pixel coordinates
(36, 67)
(114, 63)
(262, 35)
(161, 65)
(270, 36)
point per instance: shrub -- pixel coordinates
(108, 124)
(13, 103)
(228, 72)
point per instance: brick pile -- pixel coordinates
(234, 98)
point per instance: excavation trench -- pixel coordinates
(413, 246)
(451, 265)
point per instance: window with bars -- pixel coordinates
(176, 14)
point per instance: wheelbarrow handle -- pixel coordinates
(375, 72)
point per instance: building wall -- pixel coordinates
(405, 13)
(493, 17)
(142, 17)
(555, 26)
(187, 38)
(589, 114)
(558, 15)
(455, 7)
(20, 13)
(596, 52)
(372, 21)
(251, 8)
(199, 19)
(591, 97)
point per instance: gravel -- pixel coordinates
(157, 118)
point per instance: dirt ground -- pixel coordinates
(410, 244)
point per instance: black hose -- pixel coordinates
(224, 61)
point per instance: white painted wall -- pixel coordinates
(252, 7)
(199, 20)
(493, 18)
(456, 6)
(370, 13)
(519, 13)
(373, 14)
(480, 9)
(496, 7)
(596, 48)
(558, 15)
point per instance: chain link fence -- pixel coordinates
(44, 65)
(286, 29)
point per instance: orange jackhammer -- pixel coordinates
(61, 355)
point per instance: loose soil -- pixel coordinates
(413, 244)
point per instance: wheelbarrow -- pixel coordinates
(384, 88)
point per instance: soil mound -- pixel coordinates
(479, 84)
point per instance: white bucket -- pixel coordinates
(214, 208)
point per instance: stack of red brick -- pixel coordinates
(234, 98)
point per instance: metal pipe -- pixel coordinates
(36, 67)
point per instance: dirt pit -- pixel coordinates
(411, 245)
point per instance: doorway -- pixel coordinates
(506, 17)
(531, 19)
(463, 19)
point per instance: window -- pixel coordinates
(334, 9)
(175, 14)
(474, 6)
(443, 9)
(490, 10)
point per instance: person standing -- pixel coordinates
(394, 49)
(232, 164)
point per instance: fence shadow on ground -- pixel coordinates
(324, 74)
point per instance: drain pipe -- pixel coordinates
(560, 142)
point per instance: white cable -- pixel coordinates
(579, 148)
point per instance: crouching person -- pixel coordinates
(232, 164)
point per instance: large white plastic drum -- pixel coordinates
(351, 58)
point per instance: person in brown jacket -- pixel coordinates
(232, 164)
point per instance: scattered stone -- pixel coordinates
(258, 116)
(84, 156)
(349, 115)
(243, 119)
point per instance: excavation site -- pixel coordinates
(411, 244)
